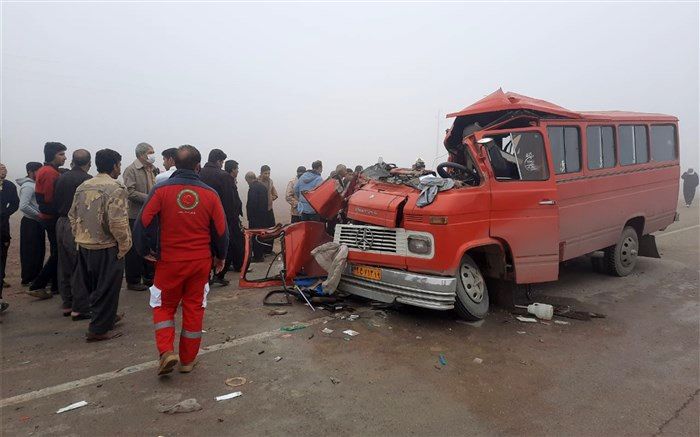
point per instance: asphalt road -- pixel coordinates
(634, 372)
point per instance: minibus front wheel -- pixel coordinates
(621, 258)
(472, 295)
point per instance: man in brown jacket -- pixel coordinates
(99, 221)
(291, 197)
(139, 179)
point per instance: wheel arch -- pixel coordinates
(492, 256)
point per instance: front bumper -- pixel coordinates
(433, 292)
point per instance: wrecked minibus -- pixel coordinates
(527, 185)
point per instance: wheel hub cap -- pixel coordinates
(473, 283)
(628, 252)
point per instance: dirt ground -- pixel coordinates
(634, 372)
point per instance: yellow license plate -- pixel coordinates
(373, 273)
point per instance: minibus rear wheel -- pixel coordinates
(621, 258)
(472, 295)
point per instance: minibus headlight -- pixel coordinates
(419, 244)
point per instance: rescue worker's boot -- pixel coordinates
(187, 368)
(168, 361)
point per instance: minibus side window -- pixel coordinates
(633, 144)
(601, 147)
(566, 150)
(518, 156)
(663, 142)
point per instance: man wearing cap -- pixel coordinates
(46, 177)
(236, 245)
(291, 198)
(139, 179)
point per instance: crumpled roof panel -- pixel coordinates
(502, 101)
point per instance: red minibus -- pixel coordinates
(531, 184)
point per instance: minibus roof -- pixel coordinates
(500, 101)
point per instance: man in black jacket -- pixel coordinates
(212, 175)
(9, 203)
(236, 246)
(73, 293)
(257, 211)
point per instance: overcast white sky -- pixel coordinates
(284, 84)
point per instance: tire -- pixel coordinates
(472, 301)
(621, 258)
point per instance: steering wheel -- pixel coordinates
(459, 172)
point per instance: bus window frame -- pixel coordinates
(545, 143)
(634, 124)
(615, 142)
(676, 138)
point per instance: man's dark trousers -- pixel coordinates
(101, 273)
(32, 248)
(49, 273)
(137, 267)
(73, 293)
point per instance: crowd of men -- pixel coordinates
(173, 232)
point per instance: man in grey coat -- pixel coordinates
(32, 236)
(139, 179)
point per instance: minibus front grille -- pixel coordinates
(373, 239)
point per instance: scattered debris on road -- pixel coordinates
(186, 406)
(526, 319)
(540, 310)
(294, 327)
(521, 332)
(562, 322)
(236, 381)
(278, 359)
(228, 396)
(327, 331)
(478, 360)
(72, 407)
(443, 360)
(350, 332)
(335, 380)
(277, 312)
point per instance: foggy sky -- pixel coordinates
(287, 84)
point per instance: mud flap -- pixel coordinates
(647, 247)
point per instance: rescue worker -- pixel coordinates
(74, 294)
(139, 179)
(9, 203)
(291, 198)
(212, 175)
(690, 184)
(236, 245)
(100, 224)
(256, 207)
(168, 164)
(46, 176)
(180, 225)
(32, 237)
(307, 182)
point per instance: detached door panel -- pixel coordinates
(524, 211)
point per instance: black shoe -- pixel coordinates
(136, 287)
(40, 293)
(3, 306)
(221, 281)
(148, 282)
(81, 316)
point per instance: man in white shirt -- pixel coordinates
(168, 163)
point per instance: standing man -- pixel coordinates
(100, 223)
(341, 173)
(256, 207)
(32, 239)
(291, 198)
(212, 175)
(168, 163)
(139, 180)
(307, 182)
(73, 293)
(9, 203)
(181, 227)
(271, 197)
(46, 176)
(690, 183)
(236, 245)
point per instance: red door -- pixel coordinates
(524, 211)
